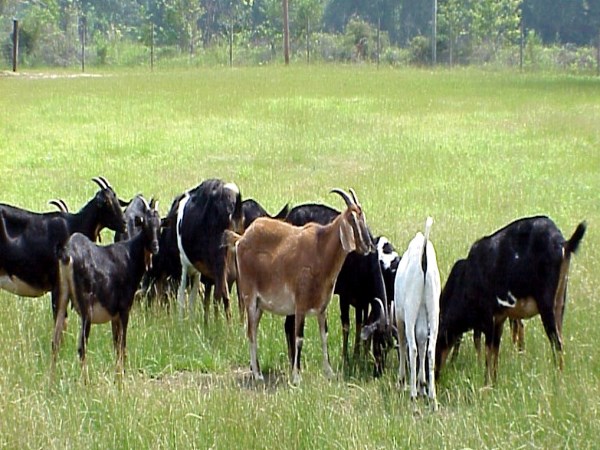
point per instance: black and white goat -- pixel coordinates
(101, 282)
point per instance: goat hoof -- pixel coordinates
(258, 376)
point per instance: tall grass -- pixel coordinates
(473, 149)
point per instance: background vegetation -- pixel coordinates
(558, 34)
(473, 149)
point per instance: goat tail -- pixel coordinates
(230, 238)
(560, 294)
(572, 244)
(428, 224)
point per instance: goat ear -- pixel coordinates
(124, 203)
(347, 237)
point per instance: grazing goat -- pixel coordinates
(359, 284)
(416, 299)
(101, 282)
(289, 270)
(29, 242)
(518, 272)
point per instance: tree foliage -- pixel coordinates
(464, 26)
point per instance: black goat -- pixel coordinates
(29, 241)
(518, 272)
(101, 282)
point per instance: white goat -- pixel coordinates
(417, 291)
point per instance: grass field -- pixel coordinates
(473, 149)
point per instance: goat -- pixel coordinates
(203, 215)
(29, 241)
(359, 284)
(134, 209)
(518, 272)
(101, 282)
(166, 266)
(416, 309)
(288, 270)
(251, 210)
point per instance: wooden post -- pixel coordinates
(307, 40)
(231, 45)
(15, 51)
(378, 40)
(83, 31)
(598, 55)
(152, 47)
(434, 34)
(286, 33)
(521, 45)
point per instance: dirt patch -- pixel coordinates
(47, 75)
(241, 378)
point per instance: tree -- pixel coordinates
(495, 22)
(454, 21)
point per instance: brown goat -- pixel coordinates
(288, 270)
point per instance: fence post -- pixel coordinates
(83, 30)
(152, 47)
(15, 50)
(307, 40)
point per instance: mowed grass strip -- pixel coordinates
(473, 149)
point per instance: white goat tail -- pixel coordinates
(428, 224)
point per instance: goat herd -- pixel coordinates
(290, 265)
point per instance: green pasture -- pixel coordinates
(473, 149)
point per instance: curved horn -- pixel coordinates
(100, 182)
(355, 198)
(106, 181)
(345, 196)
(60, 204)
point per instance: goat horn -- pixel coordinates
(100, 182)
(106, 181)
(60, 204)
(345, 196)
(355, 198)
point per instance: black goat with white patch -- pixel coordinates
(29, 241)
(165, 274)
(517, 272)
(203, 215)
(359, 284)
(101, 282)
